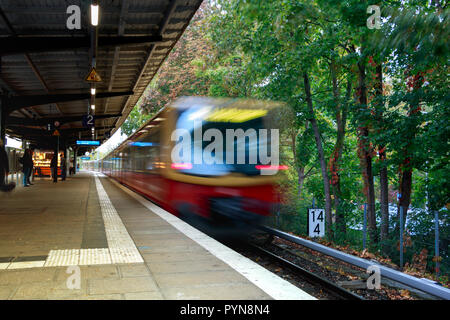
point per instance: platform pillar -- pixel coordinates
(3, 114)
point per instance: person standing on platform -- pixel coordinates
(31, 167)
(63, 169)
(4, 167)
(27, 164)
(54, 167)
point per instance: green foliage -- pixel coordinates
(252, 48)
(136, 119)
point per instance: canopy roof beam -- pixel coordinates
(61, 120)
(18, 45)
(19, 102)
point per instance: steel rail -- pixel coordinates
(330, 286)
(424, 285)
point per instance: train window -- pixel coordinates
(139, 157)
(127, 164)
(116, 163)
(249, 124)
(147, 152)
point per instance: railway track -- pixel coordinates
(422, 288)
(332, 288)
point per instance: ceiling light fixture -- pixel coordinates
(94, 14)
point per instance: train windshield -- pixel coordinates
(220, 141)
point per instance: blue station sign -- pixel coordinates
(88, 143)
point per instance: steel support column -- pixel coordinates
(75, 153)
(3, 114)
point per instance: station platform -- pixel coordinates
(90, 238)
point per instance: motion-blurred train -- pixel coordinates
(228, 190)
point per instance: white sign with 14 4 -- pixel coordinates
(316, 222)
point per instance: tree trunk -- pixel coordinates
(405, 180)
(323, 166)
(301, 179)
(341, 118)
(384, 182)
(384, 196)
(300, 170)
(365, 157)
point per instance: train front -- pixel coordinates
(224, 162)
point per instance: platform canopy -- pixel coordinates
(44, 64)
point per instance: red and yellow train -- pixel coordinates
(222, 193)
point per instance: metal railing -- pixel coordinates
(424, 285)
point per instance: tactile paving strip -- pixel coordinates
(121, 246)
(67, 257)
(95, 256)
(26, 264)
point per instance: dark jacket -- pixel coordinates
(54, 162)
(27, 160)
(4, 164)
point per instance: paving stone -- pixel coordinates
(92, 272)
(154, 295)
(6, 259)
(94, 297)
(134, 270)
(156, 257)
(20, 276)
(188, 279)
(215, 292)
(4, 265)
(47, 290)
(164, 243)
(160, 233)
(188, 266)
(5, 292)
(26, 264)
(178, 249)
(125, 285)
(29, 258)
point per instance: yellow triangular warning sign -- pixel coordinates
(93, 76)
(56, 133)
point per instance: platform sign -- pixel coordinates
(85, 158)
(88, 121)
(316, 222)
(93, 76)
(88, 143)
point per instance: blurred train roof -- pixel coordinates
(220, 102)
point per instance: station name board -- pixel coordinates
(88, 143)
